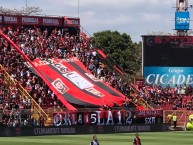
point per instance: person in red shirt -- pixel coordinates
(136, 140)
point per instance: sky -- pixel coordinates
(134, 17)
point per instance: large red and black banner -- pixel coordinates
(82, 69)
(76, 85)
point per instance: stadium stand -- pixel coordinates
(36, 43)
(53, 42)
(15, 66)
(169, 98)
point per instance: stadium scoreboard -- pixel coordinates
(168, 60)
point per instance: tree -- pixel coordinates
(121, 50)
(23, 11)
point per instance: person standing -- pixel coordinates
(136, 140)
(174, 120)
(169, 119)
(94, 140)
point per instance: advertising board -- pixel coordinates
(89, 129)
(182, 20)
(168, 76)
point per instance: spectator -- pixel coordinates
(136, 140)
(47, 43)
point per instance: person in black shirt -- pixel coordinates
(136, 140)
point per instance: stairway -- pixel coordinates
(139, 101)
(36, 110)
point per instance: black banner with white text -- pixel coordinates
(111, 117)
(73, 130)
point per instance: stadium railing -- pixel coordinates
(141, 101)
(36, 110)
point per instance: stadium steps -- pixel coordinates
(140, 102)
(36, 110)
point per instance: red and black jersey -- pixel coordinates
(137, 141)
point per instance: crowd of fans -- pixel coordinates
(35, 43)
(57, 43)
(14, 64)
(99, 69)
(177, 97)
(11, 103)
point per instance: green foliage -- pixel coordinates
(23, 11)
(125, 53)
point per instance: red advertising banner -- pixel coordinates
(52, 21)
(71, 22)
(38, 20)
(29, 20)
(10, 19)
(139, 82)
(148, 113)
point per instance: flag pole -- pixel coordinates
(78, 8)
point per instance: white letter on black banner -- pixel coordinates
(99, 118)
(110, 118)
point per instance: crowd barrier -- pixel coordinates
(74, 130)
